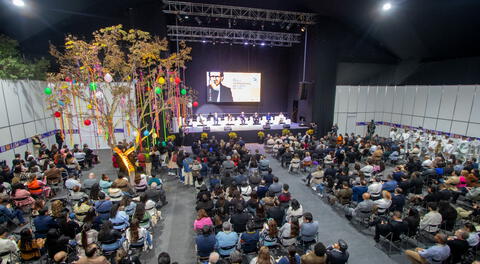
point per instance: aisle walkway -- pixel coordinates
(332, 226)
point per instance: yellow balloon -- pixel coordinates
(172, 79)
(161, 80)
(89, 106)
(154, 135)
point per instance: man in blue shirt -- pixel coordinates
(308, 229)
(390, 185)
(435, 254)
(226, 240)
(358, 191)
(187, 170)
(43, 223)
(7, 214)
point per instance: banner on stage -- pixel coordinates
(228, 87)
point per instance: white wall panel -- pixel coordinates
(417, 121)
(429, 123)
(353, 99)
(448, 102)
(3, 107)
(25, 95)
(443, 125)
(380, 99)
(406, 120)
(342, 122)
(389, 99)
(409, 99)
(12, 102)
(351, 120)
(371, 101)
(398, 101)
(473, 130)
(459, 128)
(360, 130)
(337, 98)
(433, 103)
(17, 132)
(475, 116)
(396, 118)
(464, 102)
(362, 99)
(343, 99)
(420, 101)
(5, 137)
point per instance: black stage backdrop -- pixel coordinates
(271, 62)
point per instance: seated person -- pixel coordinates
(249, 239)
(269, 234)
(109, 238)
(337, 253)
(396, 227)
(226, 240)
(8, 247)
(8, 214)
(205, 241)
(434, 254)
(91, 256)
(432, 220)
(30, 247)
(43, 222)
(318, 255)
(458, 246)
(363, 209)
(308, 229)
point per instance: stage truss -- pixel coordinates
(238, 12)
(232, 36)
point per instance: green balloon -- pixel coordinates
(164, 143)
(183, 92)
(93, 86)
(48, 90)
(158, 90)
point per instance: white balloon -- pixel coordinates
(135, 133)
(108, 78)
(189, 105)
(99, 95)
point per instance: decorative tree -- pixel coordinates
(124, 72)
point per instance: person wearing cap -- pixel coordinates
(435, 254)
(317, 256)
(226, 240)
(337, 253)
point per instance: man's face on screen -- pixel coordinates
(215, 79)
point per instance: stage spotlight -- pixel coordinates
(387, 6)
(245, 43)
(234, 22)
(302, 29)
(186, 17)
(199, 21)
(179, 18)
(262, 26)
(19, 3)
(262, 44)
(204, 41)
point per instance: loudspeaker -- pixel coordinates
(302, 87)
(206, 129)
(267, 126)
(227, 128)
(286, 126)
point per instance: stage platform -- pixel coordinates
(247, 132)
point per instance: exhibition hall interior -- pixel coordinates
(240, 131)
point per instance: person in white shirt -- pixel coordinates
(8, 247)
(432, 145)
(432, 220)
(448, 148)
(384, 203)
(367, 169)
(375, 189)
(393, 132)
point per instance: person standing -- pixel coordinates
(37, 144)
(59, 138)
(371, 129)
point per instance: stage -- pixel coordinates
(247, 132)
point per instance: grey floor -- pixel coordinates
(175, 235)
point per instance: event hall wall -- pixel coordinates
(448, 108)
(271, 62)
(23, 115)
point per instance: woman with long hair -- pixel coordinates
(294, 210)
(138, 236)
(269, 234)
(29, 246)
(118, 218)
(55, 242)
(413, 221)
(202, 220)
(109, 238)
(85, 238)
(81, 209)
(289, 232)
(141, 213)
(263, 257)
(94, 191)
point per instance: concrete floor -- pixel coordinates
(175, 235)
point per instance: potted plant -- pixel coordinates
(232, 135)
(203, 136)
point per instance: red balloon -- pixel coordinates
(58, 114)
(67, 79)
(87, 122)
(195, 104)
(178, 80)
